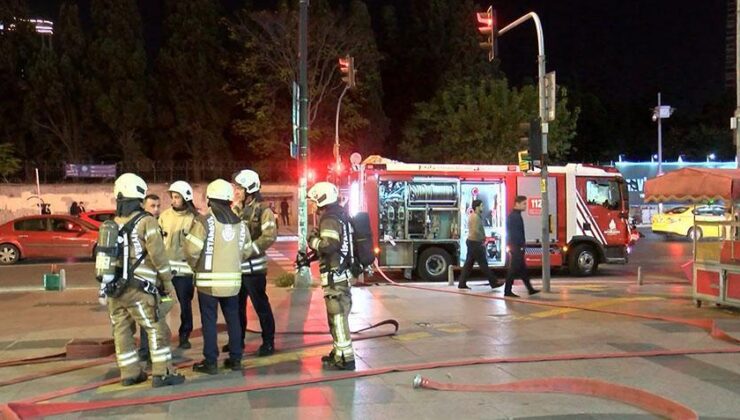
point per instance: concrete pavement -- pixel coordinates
(436, 326)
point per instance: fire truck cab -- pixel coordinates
(419, 213)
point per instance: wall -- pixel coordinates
(21, 200)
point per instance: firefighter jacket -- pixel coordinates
(146, 236)
(215, 251)
(331, 243)
(175, 227)
(262, 229)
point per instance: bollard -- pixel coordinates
(62, 280)
(639, 275)
(451, 275)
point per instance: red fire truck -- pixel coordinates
(418, 214)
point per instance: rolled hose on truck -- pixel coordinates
(31, 408)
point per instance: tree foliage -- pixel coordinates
(118, 74)
(9, 164)
(480, 122)
(192, 106)
(266, 67)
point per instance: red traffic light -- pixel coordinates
(485, 19)
(347, 69)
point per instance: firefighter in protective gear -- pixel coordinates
(147, 295)
(215, 248)
(331, 244)
(263, 230)
(176, 223)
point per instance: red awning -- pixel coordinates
(694, 184)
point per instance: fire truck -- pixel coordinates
(419, 212)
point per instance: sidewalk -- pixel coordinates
(435, 326)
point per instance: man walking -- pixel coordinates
(517, 242)
(476, 249)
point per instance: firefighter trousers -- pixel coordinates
(209, 316)
(165, 306)
(254, 287)
(133, 307)
(338, 299)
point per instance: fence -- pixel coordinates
(168, 171)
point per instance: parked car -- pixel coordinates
(97, 217)
(46, 236)
(680, 221)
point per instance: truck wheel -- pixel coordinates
(583, 260)
(9, 254)
(433, 264)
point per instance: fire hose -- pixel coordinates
(653, 403)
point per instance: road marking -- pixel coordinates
(594, 305)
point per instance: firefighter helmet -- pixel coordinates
(220, 190)
(249, 180)
(323, 194)
(130, 185)
(182, 188)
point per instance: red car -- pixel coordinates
(46, 236)
(97, 217)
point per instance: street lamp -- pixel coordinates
(711, 157)
(659, 113)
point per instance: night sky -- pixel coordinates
(622, 51)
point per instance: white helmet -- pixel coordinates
(130, 186)
(220, 190)
(323, 194)
(182, 188)
(249, 180)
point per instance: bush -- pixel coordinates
(285, 280)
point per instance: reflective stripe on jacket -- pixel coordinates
(175, 226)
(216, 250)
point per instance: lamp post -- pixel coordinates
(659, 112)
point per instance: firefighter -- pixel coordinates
(214, 248)
(141, 290)
(176, 223)
(263, 230)
(331, 245)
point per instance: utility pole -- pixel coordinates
(544, 187)
(337, 156)
(660, 139)
(303, 275)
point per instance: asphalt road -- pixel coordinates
(659, 258)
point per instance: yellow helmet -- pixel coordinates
(220, 190)
(130, 185)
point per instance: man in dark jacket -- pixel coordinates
(476, 248)
(516, 243)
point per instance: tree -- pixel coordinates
(9, 164)
(480, 122)
(56, 104)
(266, 67)
(117, 79)
(194, 109)
(18, 47)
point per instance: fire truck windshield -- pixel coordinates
(605, 192)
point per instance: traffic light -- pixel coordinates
(347, 68)
(531, 138)
(488, 25)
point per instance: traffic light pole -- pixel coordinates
(544, 128)
(303, 274)
(337, 158)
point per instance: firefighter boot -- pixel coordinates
(159, 381)
(266, 349)
(135, 380)
(205, 366)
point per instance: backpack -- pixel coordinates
(361, 256)
(116, 287)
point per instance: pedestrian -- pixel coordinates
(176, 223)
(516, 245)
(74, 209)
(285, 212)
(476, 248)
(138, 289)
(82, 207)
(330, 243)
(215, 248)
(45, 208)
(263, 230)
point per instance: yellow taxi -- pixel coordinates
(680, 221)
